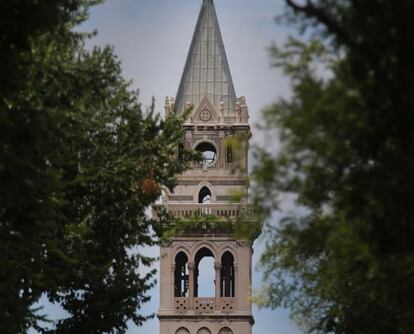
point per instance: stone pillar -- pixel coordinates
(235, 282)
(172, 285)
(191, 267)
(217, 267)
(222, 149)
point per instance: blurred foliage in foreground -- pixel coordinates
(345, 262)
(80, 162)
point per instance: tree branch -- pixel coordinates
(323, 17)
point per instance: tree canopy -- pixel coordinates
(344, 261)
(80, 162)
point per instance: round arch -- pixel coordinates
(212, 143)
(182, 330)
(203, 330)
(225, 330)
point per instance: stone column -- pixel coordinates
(191, 267)
(235, 282)
(217, 267)
(172, 285)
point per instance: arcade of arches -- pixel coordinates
(224, 270)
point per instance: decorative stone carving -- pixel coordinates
(181, 305)
(204, 305)
(205, 115)
(227, 304)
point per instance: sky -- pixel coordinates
(152, 39)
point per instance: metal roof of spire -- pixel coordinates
(207, 72)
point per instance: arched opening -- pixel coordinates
(204, 196)
(204, 274)
(227, 279)
(181, 152)
(208, 153)
(229, 154)
(181, 275)
(225, 330)
(182, 330)
(204, 330)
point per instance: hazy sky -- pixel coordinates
(152, 38)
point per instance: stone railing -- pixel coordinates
(181, 304)
(227, 304)
(214, 209)
(204, 305)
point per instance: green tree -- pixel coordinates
(344, 263)
(80, 162)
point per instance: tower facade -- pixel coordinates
(218, 128)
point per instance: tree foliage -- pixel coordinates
(345, 263)
(80, 162)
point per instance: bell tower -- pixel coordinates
(218, 128)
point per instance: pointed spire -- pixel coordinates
(207, 72)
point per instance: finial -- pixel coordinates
(172, 100)
(167, 106)
(188, 105)
(221, 112)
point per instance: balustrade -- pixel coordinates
(216, 209)
(204, 305)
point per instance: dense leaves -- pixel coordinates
(80, 162)
(344, 263)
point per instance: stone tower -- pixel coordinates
(217, 127)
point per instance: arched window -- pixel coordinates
(208, 153)
(204, 196)
(181, 152)
(225, 330)
(227, 279)
(181, 275)
(204, 330)
(229, 154)
(204, 274)
(182, 330)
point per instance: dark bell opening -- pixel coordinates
(208, 152)
(204, 196)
